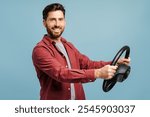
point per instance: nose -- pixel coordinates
(57, 23)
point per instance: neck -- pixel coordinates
(55, 39)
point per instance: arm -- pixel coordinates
(44, 61)
(85, 62)
(102, 69)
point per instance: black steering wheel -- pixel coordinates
(122, 71)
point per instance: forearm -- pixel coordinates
(86, 63)
(73, 75)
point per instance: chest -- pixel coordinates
(61, 57)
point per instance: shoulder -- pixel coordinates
(42, 48)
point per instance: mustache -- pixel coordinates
(56, 27)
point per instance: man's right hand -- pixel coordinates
(106, 72)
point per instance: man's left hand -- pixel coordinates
(124, 61)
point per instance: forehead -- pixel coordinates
(55, 14)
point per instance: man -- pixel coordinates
(60, 67)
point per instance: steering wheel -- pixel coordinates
(122, 71)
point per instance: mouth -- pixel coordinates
(56, 29)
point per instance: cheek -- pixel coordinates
(63, 24)
(49, 24)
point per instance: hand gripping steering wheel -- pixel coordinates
(122, 71)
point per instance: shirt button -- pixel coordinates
(66, 66)
(68, 88)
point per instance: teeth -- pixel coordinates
(56, 29)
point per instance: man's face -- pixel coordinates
(55, 24)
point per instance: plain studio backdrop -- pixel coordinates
(98, 28)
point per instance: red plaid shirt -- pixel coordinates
(53, 72)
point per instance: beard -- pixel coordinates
(55, 32)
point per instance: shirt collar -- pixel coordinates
(49, 41)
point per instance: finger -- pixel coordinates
(110, 75)
(113, 71)
(126, 59)
(114, 67)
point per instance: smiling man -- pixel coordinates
(54, 23)
(60, 67)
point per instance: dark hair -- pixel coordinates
(53, 7)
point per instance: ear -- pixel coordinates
(44, 23)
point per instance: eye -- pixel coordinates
(61, 19)
(52, 19)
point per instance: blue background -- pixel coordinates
(98, 28)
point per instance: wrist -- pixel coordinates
(97, 73)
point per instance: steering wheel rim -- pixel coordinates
(109, 84)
